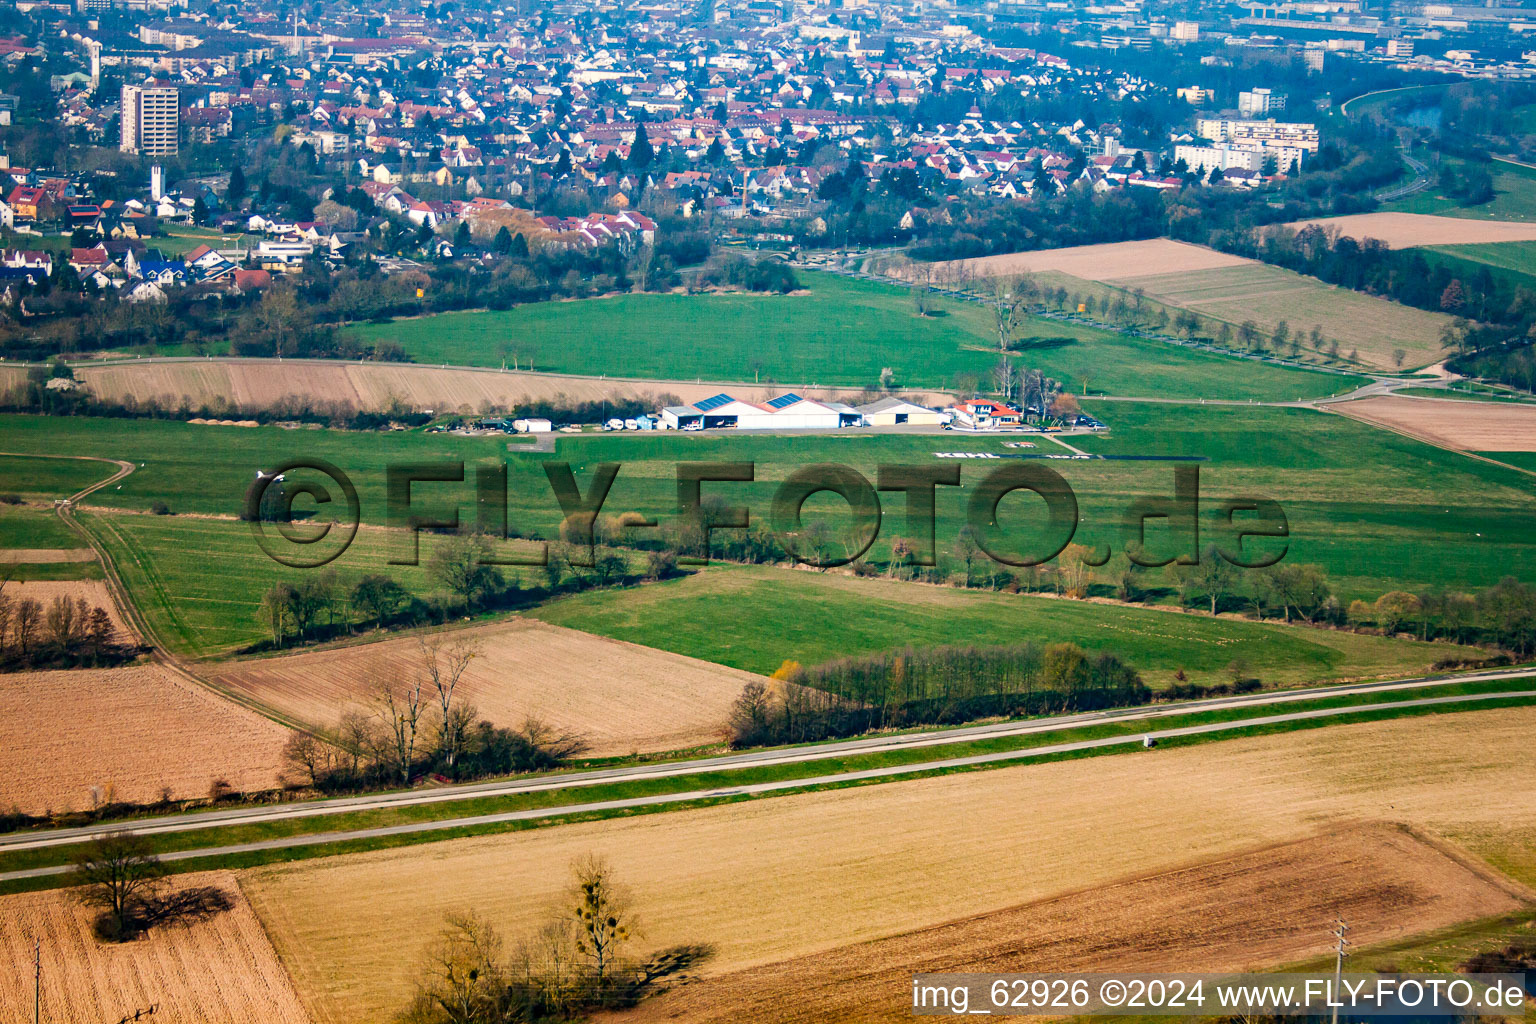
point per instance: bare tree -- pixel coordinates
(118, 873)
(602, 914)
(445, 667)
(399, 704)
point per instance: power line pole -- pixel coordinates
(37, 980)
(1338, 966)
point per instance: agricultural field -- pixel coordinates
(882, 861)
(1373, 327)
(94, 735)
(1110, 261)
(1456, 423)
(755, 618)
(1352, 492)
(1224, 288)
(43, 476)
(841, 333)
(26, 528)
(251, 385)
(220, 969)
(1206, 917)
(1412, 230)
(620, 697)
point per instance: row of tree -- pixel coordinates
(64, 633)
(950, 684)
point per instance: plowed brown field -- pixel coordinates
(621, 697)
(1108, 262)
(254, 384)
(771, 880)
(1261, 908)
(127, 732)
(1457, 423)
(44, 591)
(1406, 230)
(222, 969)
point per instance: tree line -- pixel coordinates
(937, 685)
(64, 633)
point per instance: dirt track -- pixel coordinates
(1264, 907)
(1457, 423)
(622, 697)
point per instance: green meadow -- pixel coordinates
(840, 333)
(757, 617)
(1377, 510)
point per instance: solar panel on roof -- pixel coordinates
(784, 400)
(713, 403)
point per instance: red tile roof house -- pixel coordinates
(86, 260)
(982, 414)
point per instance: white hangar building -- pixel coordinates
(786, 412)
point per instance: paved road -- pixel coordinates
(31, 840)
(760, 788)
(1419, 183)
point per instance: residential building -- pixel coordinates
(151, 120)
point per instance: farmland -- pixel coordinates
(1266, 295)
(841, 333)
(1269, 906)
(221, 969)
(251, 385)
(128, 734)
(621, 698)
(1108, 262)
(1351, 491)
(41, 477)
(1471, 426)
(1225, 288)
(755, 618)
(1411, 230)
(343, 925)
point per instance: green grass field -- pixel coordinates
(755, 618)
(40, 477)
(1514, 186)
(1516, 259)
(1378, 510)
(842, 333)
(24, 526)
(199, 581)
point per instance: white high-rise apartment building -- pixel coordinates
(151, 120)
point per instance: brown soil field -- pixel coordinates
(44, 591)
(770, 880)
(622, 697)
(254, 384)
(1264, 907)
(131, 730)
(33, 556)
(1455, 423)
(1108, 262)
(1406, 230)
(222, 969)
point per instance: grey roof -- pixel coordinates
(887, 404)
